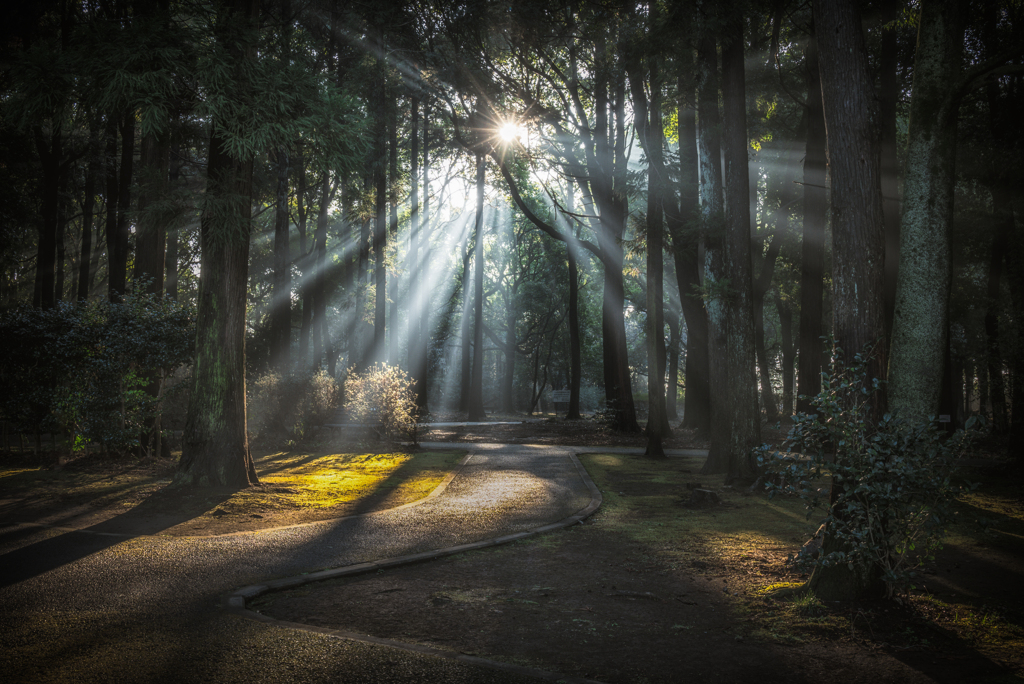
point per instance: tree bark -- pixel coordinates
(888, 101)
(686, 255)
(649, 128)
(425, 324)
(744, 417)
(919, 337)
(151, 240)
(857, 229)
(281, 302)
(171, 255)
(476, 387)
(380, 226)
(709, 148)
(392, 286)
(788, 354)
(117, 249)
(575, 360)
(812, 250)
(320, 330)
(305, 267)
(88, 215)
(50, 152)
(417, 302)
(215, 448)
(1003, 222)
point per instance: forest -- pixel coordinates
(682, 213)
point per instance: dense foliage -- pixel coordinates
(893, 484)
(81, 370)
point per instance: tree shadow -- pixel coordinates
(151, 517)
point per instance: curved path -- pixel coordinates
(82, 606)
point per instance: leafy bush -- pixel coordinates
(893, 483)
(82, 369)
(291, 404)
(383, 398)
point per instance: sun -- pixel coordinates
(509, 131)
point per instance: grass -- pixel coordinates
(748, 538)
(318, 482)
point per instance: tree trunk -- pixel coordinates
(812, 250)
(672, 384)
(650, 132)
(1003, 222)
(88, 214)
(215, 447)
(150, 241)
(50, 152)
(319, 327)
(888, 102)
(857, 229)
(686, 255)
(922, 294)
(575, 361)
(305, 268)
(380, 227)
(416, 301)
(788, 354)
(713, 227)
(423, 298)
(744, 417)
(476, 387)
(171, 256)
(764, 278)
(392, 286)
(117, 253)
(281, 302)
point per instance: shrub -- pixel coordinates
(82, 369)
(293, 404)
(382, 397)
(893, 483)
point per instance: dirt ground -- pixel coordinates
(647, 590)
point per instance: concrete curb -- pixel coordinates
(235, 601)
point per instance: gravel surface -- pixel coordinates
(81, 606)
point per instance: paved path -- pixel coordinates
(83, 606)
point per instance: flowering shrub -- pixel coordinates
(382, 397)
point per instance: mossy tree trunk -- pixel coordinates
(919, 338)
(215, 447)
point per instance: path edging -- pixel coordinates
(235, 601)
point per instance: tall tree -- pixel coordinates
(741, 418)
(647, 117)
(215, 446)
(812, 245)
(858, 240)
(476, 385)
(686, 256)
(920, 335)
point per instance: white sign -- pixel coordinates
(560, 396)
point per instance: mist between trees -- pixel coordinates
(662, 208)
